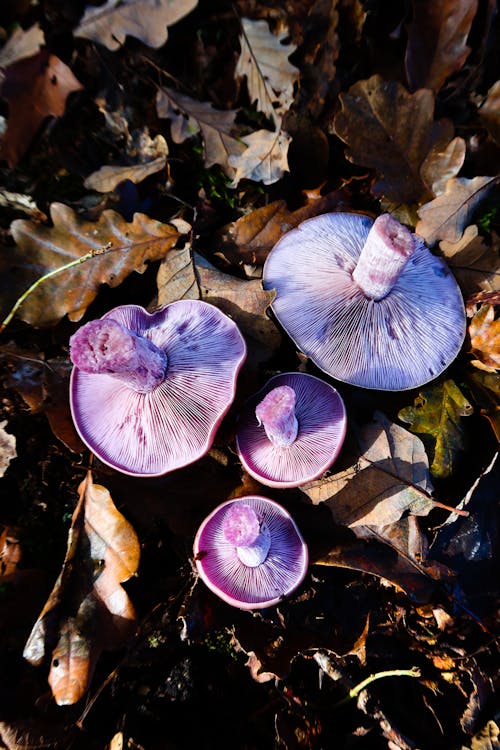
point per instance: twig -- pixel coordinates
(355, 691)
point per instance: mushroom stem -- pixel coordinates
(105, 346)
(243, 528)
(385, 253)
(276, 412)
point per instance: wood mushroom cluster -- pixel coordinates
(148, 391)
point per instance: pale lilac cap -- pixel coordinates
(250, 552)
(392, 340)
(148, 391)
(321, 423)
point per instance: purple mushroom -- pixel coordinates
(148, 391)
(250, 552)
(291, 431)
(366, 300)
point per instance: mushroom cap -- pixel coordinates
(242, 586)
(150, 434)
(321, 415)
(399, 342)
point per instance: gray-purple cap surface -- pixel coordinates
(291, 431)
(148, 391)
(366, 301)
(250, 552)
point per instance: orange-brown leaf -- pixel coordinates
(484, 331)
(41, 249)
(35, 88)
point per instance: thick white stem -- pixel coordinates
(276, 412)
(386, 251)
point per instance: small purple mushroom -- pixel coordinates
(366, 300)
(148, 391)
(291, 431)
(250, 552)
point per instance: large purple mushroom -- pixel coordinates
(250, 552)
(291, 431)
(366, 300)
(148, 391)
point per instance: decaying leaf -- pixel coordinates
(7, 448)
(252, 237)
(390, 478)
(264, 62)
(20, 44)
(188, 117)
(128, 247)
(437, 41)
(485, 387)
(176, 278)
(484, 332)
(436, 412)
(475, 263)
(443, 163)
(10, 547)
(143, 156)
(446, 217)
(35, 88)
(490, 112)
(146, 20)
(264, 160)
(87, 610)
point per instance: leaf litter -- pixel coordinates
(218, 128)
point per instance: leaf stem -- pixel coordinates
(49, 275)
(355, 691)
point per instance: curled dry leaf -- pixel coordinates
(87, 610)
(264, 160)
(436, 412)
(35, 88)
(188, 117)
(264, 62)
(121, 247)
(437, 37)
(393, 132)
(7, 448)
(490, 112)
(484, 332)
(146, 20)
(473, 261)
(446, 217)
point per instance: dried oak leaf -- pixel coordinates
(189, 117)
(264, 62)
(19, 45)
(146, 20)
(41, 249)
(436, 412)
(490, 112)
(446, 217)
(475, 263)
(35, 88)
(393, 131)
(87, 610)
(251, 238)
(7, 448)
(437, 41)
(265, 158)
(484, 332)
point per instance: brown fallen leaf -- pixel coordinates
(484, 332)
(392, 131)
(437, 41)
(263, 61)
(87, 610)
(485, 387)
(188, 117)
(489, 112)
(35, 88)
(128, 246)
(446, 217)
(473, 261)
(252, 237)
(264, 160)
(19, 45)
(7, 448)
(146, 20)
(320, 50)
(10, 552)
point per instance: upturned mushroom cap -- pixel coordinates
(250, 552)
(171, 381)
(321, 422)
(393, 324)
